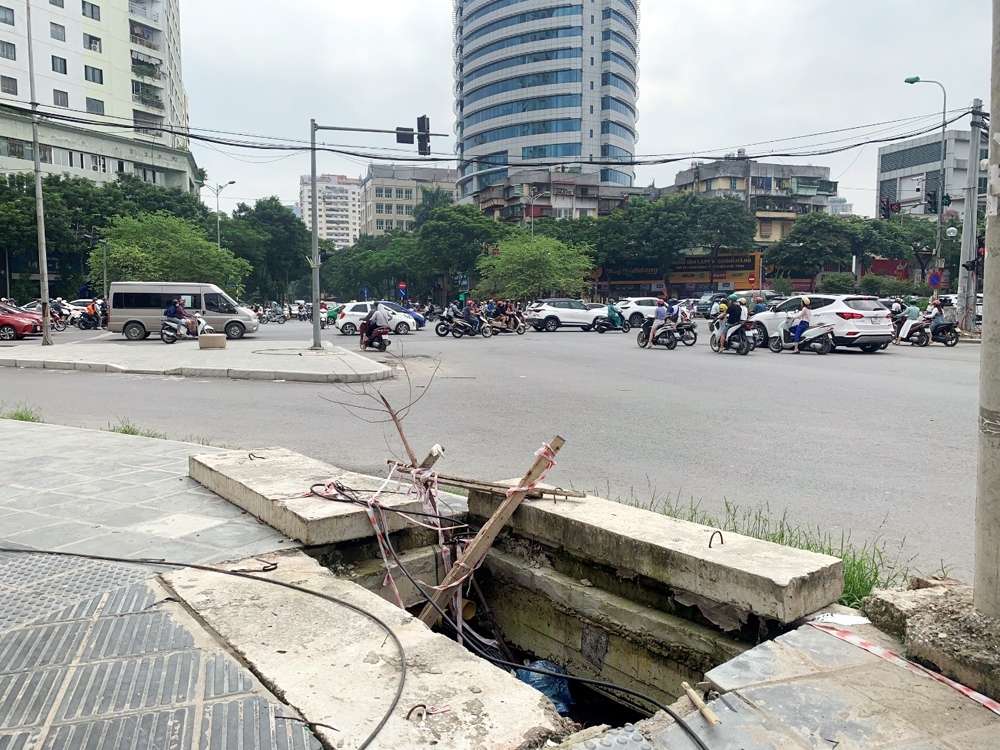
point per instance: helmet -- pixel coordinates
(723, 307)
(733, 297)
(659, 303)
(758, 299)
(937, 303)
(673, 301)
(806, 301)
(743, 301)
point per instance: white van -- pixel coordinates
(135, 308)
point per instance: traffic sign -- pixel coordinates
(751, 279)
(934, 280)
(402, 285)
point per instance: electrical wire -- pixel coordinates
(293, 587)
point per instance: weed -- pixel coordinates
(124, 427)
(23, 413)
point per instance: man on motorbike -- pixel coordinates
(733, 320)
(170, 314)
(614, 317)
(376, 319)
(471, 316)
(804, 318)
(659, 320)
(759, 307)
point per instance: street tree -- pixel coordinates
(526, 268)
(816, 240)
(451, 241)
(430, 200)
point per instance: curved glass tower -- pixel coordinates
(545, 80)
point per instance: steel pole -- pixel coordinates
(43, 259)
(987, 560)
(317, 341)
(218, 218)
(941, 178)
(105, 244)
(970, 222)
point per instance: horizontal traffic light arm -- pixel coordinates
(371, 130)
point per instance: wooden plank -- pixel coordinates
(481, 545)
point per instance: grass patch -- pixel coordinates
(124, 427)
(22, 413)
(874, 564)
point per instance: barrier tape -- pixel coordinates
(544, 452)
(894, 658)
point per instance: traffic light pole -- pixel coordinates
(402, 134)
(970, 226)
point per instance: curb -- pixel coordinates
(204, 372)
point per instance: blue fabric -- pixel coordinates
(798, 329)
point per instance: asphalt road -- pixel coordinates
(879, 445)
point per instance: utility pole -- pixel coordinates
(987, 577)
(43, 258)
(967, 295)
(317, 328)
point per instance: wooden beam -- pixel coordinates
(480, 546)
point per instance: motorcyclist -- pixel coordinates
(897, 306)
(170, 314)
(759, 307)
(470, 314)
(378, 318)
(804, 318)
(907, 320)
(935, 313)
(734, 319)
(659, 320)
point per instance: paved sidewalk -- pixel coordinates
(240, 360)
(98, 655)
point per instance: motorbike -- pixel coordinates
(946, 334)
(514, 324)
(379, 340)
(89, 322)
(686, 332)
(664, 337)
(913, 332)
(276, 317)
(603, 324)
(817, 339)
(739, 341)
(459, 327)
(171, 332)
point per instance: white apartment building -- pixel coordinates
(339, 207)
(390, 193)
(110, 63)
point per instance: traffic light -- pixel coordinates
(424, 135)
(896, 207)
(946, 200)
(884, 209)
(932, 206)
(404, 135)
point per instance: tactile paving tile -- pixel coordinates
(89, 581)
(18, 741)
(136, 634)
(135, 598)
(40, 646)
(26, 697)
(224, 677)
(130, 685)
(25, 570)
(626, 738)
(84, 610)
(158, 730)
(18, 607)
(251, 724)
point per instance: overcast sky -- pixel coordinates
(715, 74)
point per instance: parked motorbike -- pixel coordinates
(738, 341)
(664, 337)
(946, 334)
(603, 324)
(817, 339)
(170, 332)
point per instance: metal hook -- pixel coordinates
(712, 538)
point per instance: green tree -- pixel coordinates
(125, 263)
(723, 224)
(451, 241)
(837, 283)
(430, 201)
(286, 245)
(816, 240)
(528, 267)
(783, 285)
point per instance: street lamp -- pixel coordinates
(941, 185)
(531, 203)
(218, 217)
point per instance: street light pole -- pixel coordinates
(314, 205)
(43, 259)
(218, 214)
(941, 185)
(531, 204)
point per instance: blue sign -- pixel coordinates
(402, 293)
(365, 290)
(231, 284)
(934, 280)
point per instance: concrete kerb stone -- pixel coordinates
(96, 367)
(50, 364)
(240, 374)
(33, 364)
(8, 362)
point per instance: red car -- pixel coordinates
(14, 327)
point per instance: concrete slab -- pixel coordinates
(273, 485)
(770, 580)
(243, 360)
(338, 668)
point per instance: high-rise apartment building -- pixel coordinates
(108, 62)
(390, 193)
(338, 207)
(545, 82)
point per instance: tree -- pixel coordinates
(723, 224)
(526, 267)
(451, 241)
(430, 201)
(837, 283)
(816, 240)
(285, 243)
(165, 248)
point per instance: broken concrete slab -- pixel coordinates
(890, 609)
(770, 580)
(338, 668)
(273, 485)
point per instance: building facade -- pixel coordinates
(545, 82)
(390, 193)
(908, 170)
(777, 194)
(338, 208)
(840, 207)
(115, 64)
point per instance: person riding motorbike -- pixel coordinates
(733, 320)
(935, 313)
(614, 317)
(471, 316)
(373, 321)
(660, 320)
(171, 315)
(906, 321)
(759, 307)
(804, 318)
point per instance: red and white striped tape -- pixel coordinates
(894, 658)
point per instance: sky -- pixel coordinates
(715, 75)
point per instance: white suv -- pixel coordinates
(354, 312)
(636, 309)
(861, 322)
(553, 314)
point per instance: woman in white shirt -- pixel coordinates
(804, 319)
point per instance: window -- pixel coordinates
(362, 308)
(378, 192)
(380, 207)
(399, 194)
(400, 209)
(60, 98)
(6, 15)
(62, 158)
(93, 43)
(708, 185)
(388, 208)
(8, 50)
(217, 303)
(94, 75)
(409, 210)
(57, 31)
(732, 183)
(8, 85)
(792, 305)
(57, 3)
(95, 106)
(408, 194)
(59, 64)
(380, 224)
(98, 163)
(91, 11)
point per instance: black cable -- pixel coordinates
(301, 589)
(512, 665)
(347, 498)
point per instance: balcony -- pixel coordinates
(143, 12)
(144, 42)
(148, 101)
